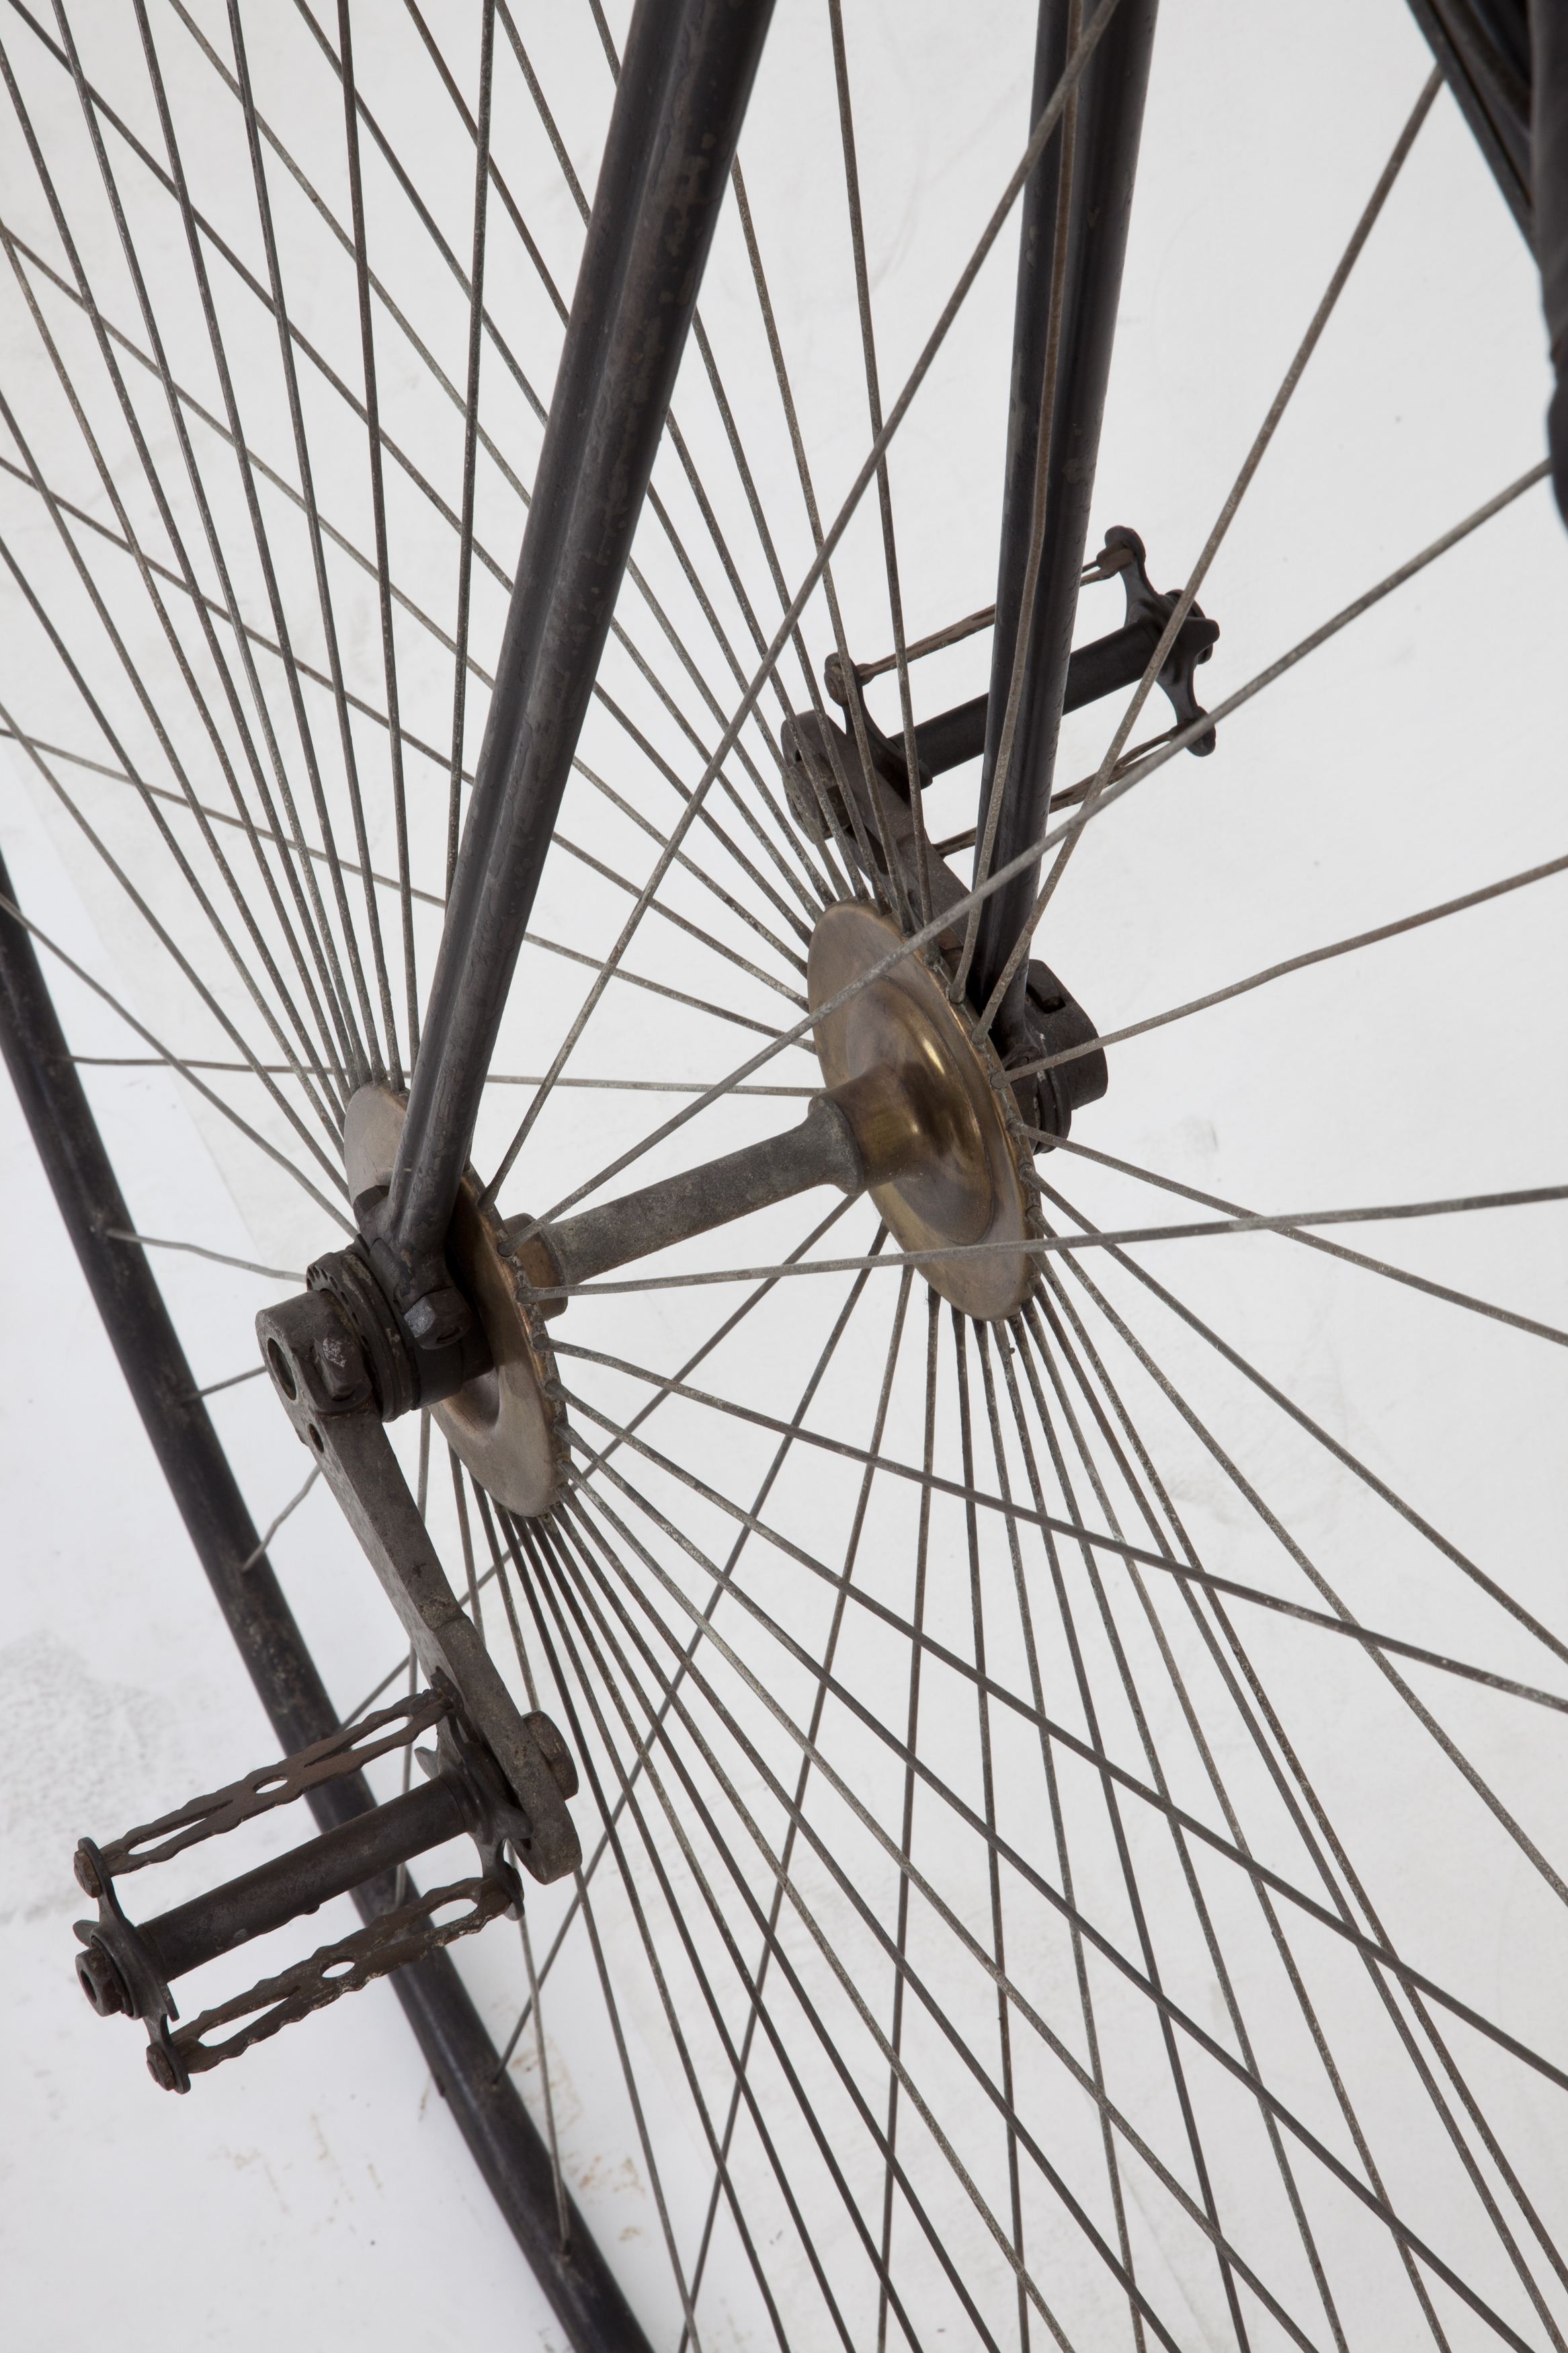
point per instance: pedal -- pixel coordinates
(1102, 667)
(126, 1969)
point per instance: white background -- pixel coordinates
(317, 2193)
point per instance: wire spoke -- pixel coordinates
(184, 1069)
(1148, 759)
(1167, 2009)
(1158, 1778)
(985, 1924)
(1298, 1414)
(1015, 1514)
(1384, 1987)
(1296, 1232)
(57, 509)
(1301, 963)
(776, 1905)
(471, 426)
(1092, 1751)
(714, 1340)
(1423, 1715)
(318, 554)
(1063, 1244)
(1027, 2012)
(383, 560)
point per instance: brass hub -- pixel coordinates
(930, 1122)
(934, 1125)
(502, 1425)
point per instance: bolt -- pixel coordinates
(102, 1983)
(554, 1749)
(437, 1318)
(340, 1375)
(162, 2068)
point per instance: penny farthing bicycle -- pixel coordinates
(807, 1151)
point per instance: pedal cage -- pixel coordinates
(393, 1942)
(125, 1968)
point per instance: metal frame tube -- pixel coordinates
(500, 2134)
(1109, 122)
(1486, 54)
(684, 83)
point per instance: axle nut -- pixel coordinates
(161, 2069)
(102, 1983)
(554, 1749)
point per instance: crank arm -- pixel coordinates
(320, 1374)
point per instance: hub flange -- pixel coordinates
(953, 1166)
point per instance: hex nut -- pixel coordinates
(161, 2067)
(554, 1749)
(102, 1982)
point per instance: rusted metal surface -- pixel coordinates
(128, 1968)
(821, 1151)
(392, 1942)
(1102, 667)
(812, 769)
(309, 1347)
(301, 1879)
(341, 1752)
